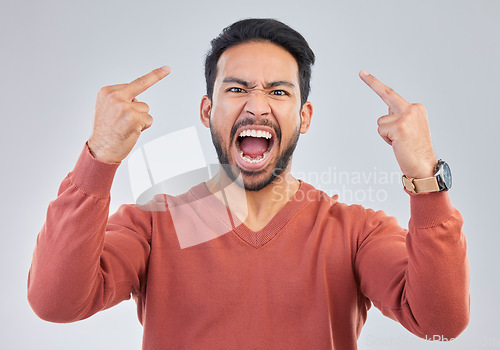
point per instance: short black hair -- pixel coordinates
(265, 30)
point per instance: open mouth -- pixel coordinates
(254, 146)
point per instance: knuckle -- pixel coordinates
(413, 108)
(416, 109)
(420, 107)
(142, 107)
(104, 91)
(113, 96)
(403, 126)
(141, 81)
(389, 91)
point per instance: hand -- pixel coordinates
(406, 129)
(119, 118)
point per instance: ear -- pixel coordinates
(205, 109)
(305, 117)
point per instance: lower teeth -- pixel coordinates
(254, 160)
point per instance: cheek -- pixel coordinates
(222, 119)
(289, 107)
(227, 110)
(287, 116)
(224, 116)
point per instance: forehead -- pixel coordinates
(257, 61)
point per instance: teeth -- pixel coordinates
(255, 133)
(256, 160)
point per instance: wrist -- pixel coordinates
(92, 176)
(441, 180)
(99, 155)
(424, 170)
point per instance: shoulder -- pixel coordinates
(321, 199)
(355, 216)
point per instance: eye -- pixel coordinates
(280, 93)
(235, 89)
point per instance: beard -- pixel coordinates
(255, 180)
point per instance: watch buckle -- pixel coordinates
(408, 184)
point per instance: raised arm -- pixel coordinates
(82, 261)
(419, 277)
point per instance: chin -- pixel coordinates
(249, 180)
(257, 183)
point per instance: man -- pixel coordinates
(294, 269)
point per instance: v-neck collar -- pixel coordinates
(255, 239)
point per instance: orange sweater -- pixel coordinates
(305, 281)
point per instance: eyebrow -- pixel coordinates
(249, 85)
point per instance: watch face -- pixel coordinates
(447, 175)
(444, 176)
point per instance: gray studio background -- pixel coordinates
(56, 54)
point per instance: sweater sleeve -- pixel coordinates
(83, 262)
(418, 277)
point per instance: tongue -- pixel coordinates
(253, 146)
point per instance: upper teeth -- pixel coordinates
(255, 133)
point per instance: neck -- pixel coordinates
(254, 208)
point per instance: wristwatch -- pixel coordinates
(441, 181)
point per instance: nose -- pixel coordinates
(257, 103)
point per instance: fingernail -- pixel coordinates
(363, 73)
(166, 69)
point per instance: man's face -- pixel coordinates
(255, 115)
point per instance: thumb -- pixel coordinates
(148, 121)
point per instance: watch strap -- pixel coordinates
(429, 184)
